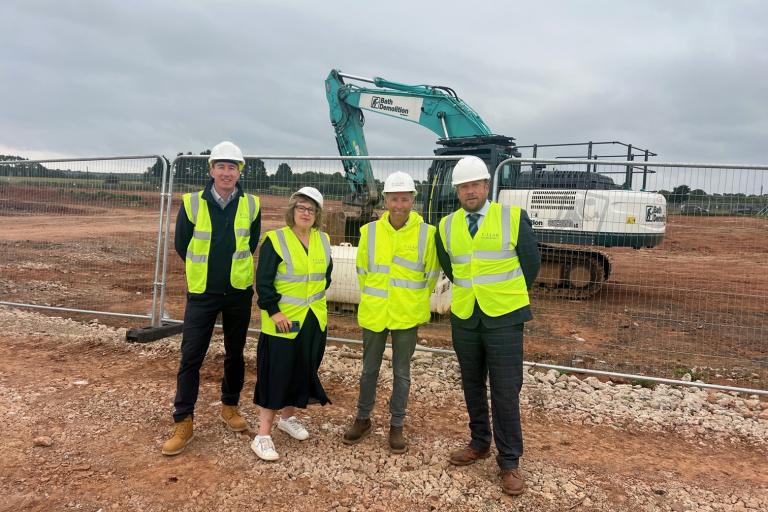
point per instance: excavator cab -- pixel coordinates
(441, 198)
(492, 149)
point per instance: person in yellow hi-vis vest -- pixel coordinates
(293, 273)
(397, 270)
(217, 231)
(490, 253)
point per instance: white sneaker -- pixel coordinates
(293, 427)
(264, 448)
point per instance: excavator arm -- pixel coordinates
(565, 210)
(347, 121)
(436, 108)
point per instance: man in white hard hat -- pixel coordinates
(397, 270)
(217, 231)
(490, 254)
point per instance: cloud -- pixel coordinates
(685, 79)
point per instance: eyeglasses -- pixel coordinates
(305, 209)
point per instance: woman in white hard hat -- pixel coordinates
(293, 272)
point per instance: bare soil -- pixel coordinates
(696, 300)
(104, 407)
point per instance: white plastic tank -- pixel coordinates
(345, 289)
(440, 300)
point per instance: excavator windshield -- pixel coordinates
(442, 198)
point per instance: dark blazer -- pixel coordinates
(530, 260)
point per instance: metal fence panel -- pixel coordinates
(81, 234)
(85, 235)
(273, 179)
(692, 304)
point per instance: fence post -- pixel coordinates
(155, 316)
(167, 236)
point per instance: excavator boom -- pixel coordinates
(437, 108)
(618, 218)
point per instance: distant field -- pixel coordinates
(45, 182)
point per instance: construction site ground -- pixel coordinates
(695, 303)
(83, 414)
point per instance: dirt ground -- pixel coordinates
(695, 304)
(83, 415)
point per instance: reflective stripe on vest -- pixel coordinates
(197, 258)
(291, 276)
(395, 285)
(372, 266)
(489, 278)
(486, 268)
(299, 301)
(378, 292)
(300, 278)
(241, 269)
(417, 265)
(488, 255)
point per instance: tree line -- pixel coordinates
(682, 194)
(254, 177)
(194, 171)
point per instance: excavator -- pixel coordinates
(570, 210)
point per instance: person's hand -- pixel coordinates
(281, 321)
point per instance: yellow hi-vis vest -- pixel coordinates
(397, 270)
(241, 272)
(300, 278)
(485, 268)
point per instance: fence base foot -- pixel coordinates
(147, 334)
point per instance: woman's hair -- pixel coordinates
(292, 206)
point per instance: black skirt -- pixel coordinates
(286, 369)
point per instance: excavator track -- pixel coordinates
(574, 274)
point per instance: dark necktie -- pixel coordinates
(472, 219)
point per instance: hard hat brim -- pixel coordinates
(240, 165)
(460, 182)
(301, 192)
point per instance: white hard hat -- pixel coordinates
(310, 192)
(399, 182)
(227, 151)
(469, 168)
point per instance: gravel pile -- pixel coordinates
(219, 472)
(688, 411)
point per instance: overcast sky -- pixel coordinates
(686, 79)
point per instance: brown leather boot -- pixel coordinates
(397, 442)
(182, 435)
(467, 456)
(358, 431)
(512, 482)
(230, 414)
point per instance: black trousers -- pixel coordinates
(199, 319)
(493, 354)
